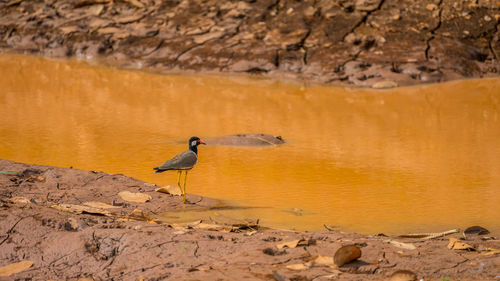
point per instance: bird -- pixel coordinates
(183, 161)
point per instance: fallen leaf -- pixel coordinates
(69, 29)
(95, 10)
(491, 251)
(406, 246)
(457, 245)
(289, 244)
(100, 205)
(324, 260)
(13, 268)
(298, 266)
(19, 200)
(137, 214)
(170, 189)
(79, 209)
(134, 197)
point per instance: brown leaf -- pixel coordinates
(79, 209)
(134, 197)
(289, 244)
(19, 200)
(491, 251)
(13, 268)
(457, 245)
(170, 189)
(95, 10)
(324, 260)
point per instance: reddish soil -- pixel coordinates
(125, 244)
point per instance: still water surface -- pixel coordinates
(404, 160)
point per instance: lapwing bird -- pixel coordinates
(183, 161)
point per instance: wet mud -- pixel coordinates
(366, 43)
(42, 242)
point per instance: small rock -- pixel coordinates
(487, 18)
(346, 254)
(476, 230)
(384, 84)
(71, 225)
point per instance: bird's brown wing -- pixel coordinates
(182, 161)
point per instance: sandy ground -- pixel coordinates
(127, 241)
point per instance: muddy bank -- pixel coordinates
(130, 243)
(369, 43)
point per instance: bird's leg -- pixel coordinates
(179, 179)
(185, 179)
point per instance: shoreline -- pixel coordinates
(47, 221)
(376, 44)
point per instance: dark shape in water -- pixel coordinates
(246, 140)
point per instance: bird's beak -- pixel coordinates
(201, 142)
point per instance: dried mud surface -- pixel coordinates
(367, 43)
(130, 245)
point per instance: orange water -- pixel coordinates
(395, 161)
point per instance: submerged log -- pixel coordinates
(245, 140)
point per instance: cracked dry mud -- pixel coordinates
(126, 246)
(369, 43)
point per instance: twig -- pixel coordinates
(427, 236)
(11, 229)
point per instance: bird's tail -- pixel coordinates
(158, 170)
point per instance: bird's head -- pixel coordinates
(195, 141)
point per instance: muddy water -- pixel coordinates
(395, 161)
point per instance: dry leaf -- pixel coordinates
(95, 10)
(69, 29)
(406, 246)
(19, 200)
(295, 243)
(491, 251)
(137, 214)
(298, 266)
(100, 205)
(134, 197)
(457, 245)
(289, 244)
(170, 189)
(324, 260)
(80, 209)
(13, 268)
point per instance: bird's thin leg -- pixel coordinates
(179, 179)
(185, 179)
